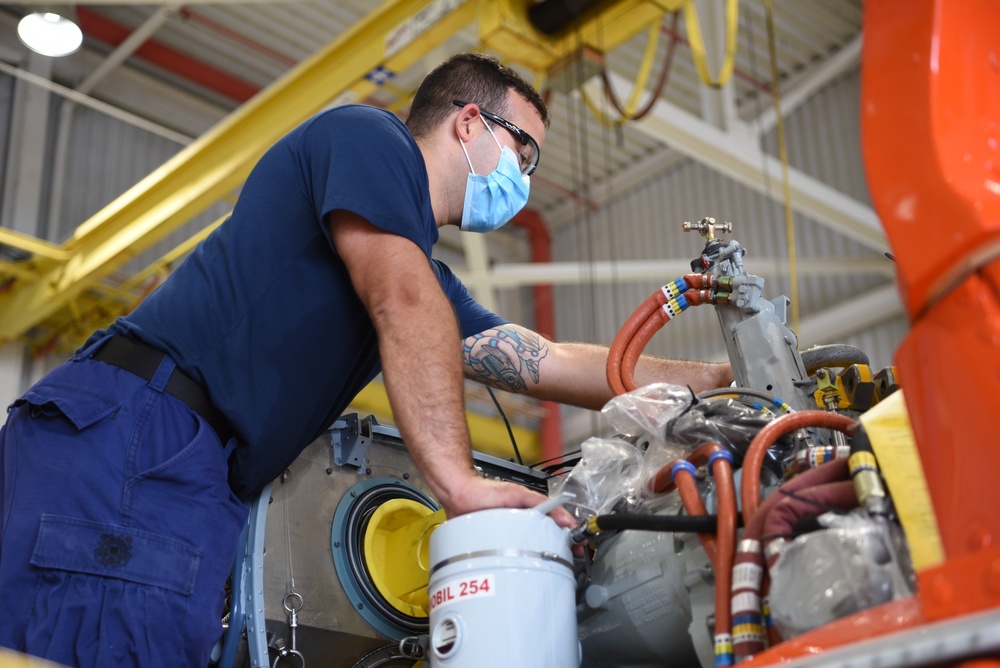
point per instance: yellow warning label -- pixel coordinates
(888, 427)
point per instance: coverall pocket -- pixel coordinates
(137, 586)
(53, 400)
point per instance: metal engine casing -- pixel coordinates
(332, 630)
(637, 610)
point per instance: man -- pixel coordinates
(124, 469)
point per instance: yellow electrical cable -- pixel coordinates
(698, 44)
(793, 277)
(645, 68)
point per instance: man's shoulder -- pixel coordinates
(354, 118)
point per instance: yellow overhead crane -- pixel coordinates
(42, 290)
(61, 292)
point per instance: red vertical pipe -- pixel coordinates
(545, 321)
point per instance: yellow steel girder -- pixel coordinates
(219, 161)
(393, 37)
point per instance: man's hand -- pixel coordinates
(479, 493)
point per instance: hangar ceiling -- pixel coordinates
(182, 70)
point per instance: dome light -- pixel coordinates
(50, 34)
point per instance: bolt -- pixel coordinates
(353, 494)
(406, 476)
(361, 606)
(336, 543)
(368, 471)
(329, 471)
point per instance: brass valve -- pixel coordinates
(707, 227)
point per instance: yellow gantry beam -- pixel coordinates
(393, 37)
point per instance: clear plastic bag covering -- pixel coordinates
(673, 417)
(645, 412)
(608, 471)
(831, 573)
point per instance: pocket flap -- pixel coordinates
(81, 408)
(110, 550)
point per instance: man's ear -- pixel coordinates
(466, 121)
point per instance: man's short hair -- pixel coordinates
(472, 77)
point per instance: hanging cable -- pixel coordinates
(783, 156)
(629, 114)
(698, 45)
(627, 111)
(506, 422)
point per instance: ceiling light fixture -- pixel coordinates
(50, 33)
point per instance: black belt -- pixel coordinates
(143, 360)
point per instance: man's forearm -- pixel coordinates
(423, 377)
(592, 363)
(518, 360)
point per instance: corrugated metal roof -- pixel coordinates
(258, 42)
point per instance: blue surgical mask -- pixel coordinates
(493, 199)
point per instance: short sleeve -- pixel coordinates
(472, 317)
(364, 160)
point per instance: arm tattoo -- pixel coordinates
(505, 357)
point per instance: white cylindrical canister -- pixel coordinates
(502, 592)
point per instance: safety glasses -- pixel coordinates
(528, 155)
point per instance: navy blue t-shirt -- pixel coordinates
(263, 312)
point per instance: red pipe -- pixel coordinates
(194, 17)
(550, 430)
(157, 53)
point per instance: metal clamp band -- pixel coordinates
(531, 554)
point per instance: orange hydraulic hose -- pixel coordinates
(766, 438)
(725, 544)
(694, 506)
(638, 343)
(699, 456)
(624, 337)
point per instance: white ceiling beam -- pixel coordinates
(614, 184)
(518, 274)
(803, 85)
(854, 315)
(737, 155)
(97, 105)
(477, 259)
(125, 50)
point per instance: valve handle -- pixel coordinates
(707, 227)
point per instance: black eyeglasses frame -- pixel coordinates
(522, 136)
